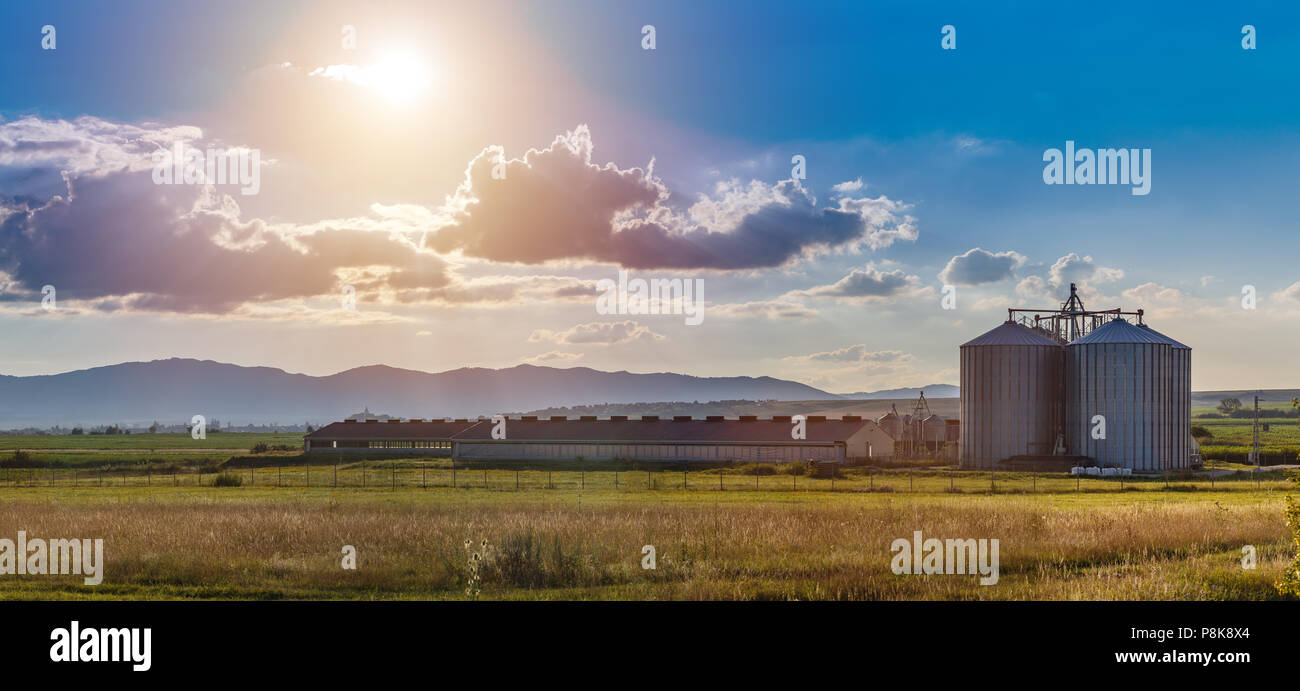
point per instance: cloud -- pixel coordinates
(848, 186)
(858, 354)
(554, 356)
(1075, 269)
(1033, 288)
(557, 204)
(869, 284)
(1290, 293)
(763, 309)
(597, 333)
(1207, 280)
(978, 266)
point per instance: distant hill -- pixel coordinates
(946, 407)
(1212, 398)
(176, 389)
(931, 391)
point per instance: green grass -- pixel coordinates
(146, 442)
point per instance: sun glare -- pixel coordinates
(399, 77)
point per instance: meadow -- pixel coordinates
(268, 542)
(576, 530)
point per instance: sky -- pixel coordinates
(444, 185)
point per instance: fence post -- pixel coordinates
(485, 484)
(910, 473)
(279, 474)
(453, 473)
(683, 478)
(307, 468)
(517, 480)
(423, 483)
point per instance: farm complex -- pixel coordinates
(1062, 387)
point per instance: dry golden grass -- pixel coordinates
(269, 543)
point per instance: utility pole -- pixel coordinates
(1255, 435)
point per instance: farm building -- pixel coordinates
(649, 438)
(1072, 386)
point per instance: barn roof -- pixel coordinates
(618, 429)
(424, 429)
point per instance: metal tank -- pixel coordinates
(1180, 406)
(1012, 383)
(1123, 373)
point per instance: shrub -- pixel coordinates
(228, 480)
(1290, 582)
(260, 447)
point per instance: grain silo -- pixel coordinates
(1124, 374)
(1180, 402)
(1011, 395)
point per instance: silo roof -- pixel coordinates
(1011, 333)
(1171, 341)
(1120, 331)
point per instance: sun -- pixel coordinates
(399, 76)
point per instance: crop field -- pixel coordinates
(1231, 440)
(565, 541)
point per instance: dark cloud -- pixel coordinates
(555, 204)
(167, 248)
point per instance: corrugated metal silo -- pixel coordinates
(1124, 373)
(1180, 402)
(891, 424)
(1012, 381)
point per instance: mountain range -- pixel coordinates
(173, 390)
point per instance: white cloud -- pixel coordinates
(978, 266)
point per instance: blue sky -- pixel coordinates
(359, 190)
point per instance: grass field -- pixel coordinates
(274, 543)
(146, 442)
(575, 531)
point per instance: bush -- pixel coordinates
(228, 480)
(1289, 584)
(260, 447)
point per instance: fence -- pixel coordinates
(757, 477)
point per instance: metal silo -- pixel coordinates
(1123, 373)
(1011, 395)
(1180, 402)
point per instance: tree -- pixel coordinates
(1202, 432)
(1228, 406)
